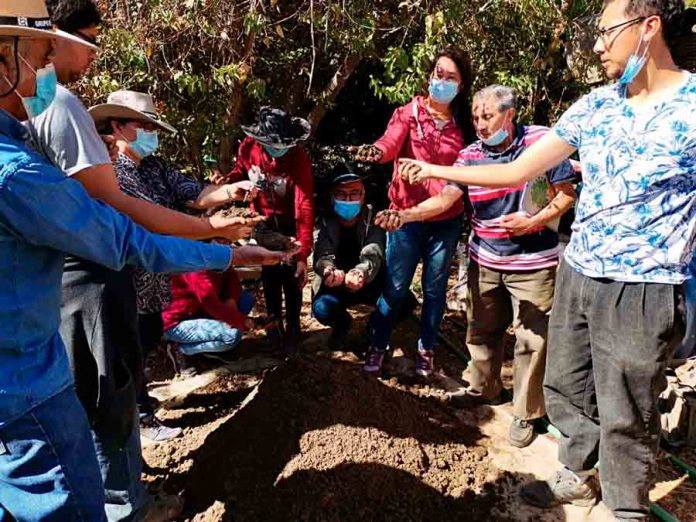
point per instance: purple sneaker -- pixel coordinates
(373, 361)
(424, 363)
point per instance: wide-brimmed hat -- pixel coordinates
(129, 105)
(277, 128)
(30, 19)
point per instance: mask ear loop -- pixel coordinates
(13, 86)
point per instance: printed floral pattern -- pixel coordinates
(637, 210)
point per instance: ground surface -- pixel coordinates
(312, 439)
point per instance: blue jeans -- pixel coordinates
(121, 470)
(48, 469)
(434, 243)
(686, 348)
(196, 336)
(330, 306)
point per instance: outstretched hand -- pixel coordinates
(252, 255)
(333, 277)
(366, 153)
(234, 228)
(414, 171)
(355, 279)
(389, 220)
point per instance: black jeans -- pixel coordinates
(609, 343)
(278, 281)
(151, 329)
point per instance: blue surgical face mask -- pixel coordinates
(46, 84)
(347, 210)
(635, 63)
(497, 138)
(443, 91)
(145, 144)
(276, 152)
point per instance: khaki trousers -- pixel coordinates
(496, 299)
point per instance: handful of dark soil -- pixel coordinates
(241, 212)
(271, 239)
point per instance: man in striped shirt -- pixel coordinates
(514, 253)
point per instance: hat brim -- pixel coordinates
(255, 132)
(343, 179)
(105, 111)
(30, 32)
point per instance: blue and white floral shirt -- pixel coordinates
(636, 214)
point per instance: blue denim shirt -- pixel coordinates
(44, 214)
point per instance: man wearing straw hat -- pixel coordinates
(48, 468)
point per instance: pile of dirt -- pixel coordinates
(320, 441)
(231, 212)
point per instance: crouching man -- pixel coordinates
(349, 255)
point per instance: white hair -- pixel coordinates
(505, 96)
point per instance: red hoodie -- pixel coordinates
(199, 295)
(410, 135)
(298, 204)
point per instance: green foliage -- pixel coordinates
(211, 63)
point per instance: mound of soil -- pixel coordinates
(320, 441)
(242, 212)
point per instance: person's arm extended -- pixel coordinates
(215, 195)
(433, 206)
(100, 183)
(541, 157)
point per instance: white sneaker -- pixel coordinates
(152, 429)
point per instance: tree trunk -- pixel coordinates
(333, 89)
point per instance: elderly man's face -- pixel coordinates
(488, 119)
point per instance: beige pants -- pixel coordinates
(495, 300)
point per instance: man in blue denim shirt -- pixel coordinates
(48, 468)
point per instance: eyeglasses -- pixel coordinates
(604, 33)
(86, 37)
(353, 195)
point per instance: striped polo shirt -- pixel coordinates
(490, 244)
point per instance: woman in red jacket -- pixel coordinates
(273, 158)
(435, 126)
(207, 314)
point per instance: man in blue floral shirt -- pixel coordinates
(617, 313)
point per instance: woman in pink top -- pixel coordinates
(435, 126)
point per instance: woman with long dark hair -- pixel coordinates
(432, 127)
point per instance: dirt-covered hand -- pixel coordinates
(414, 171)
(355, 279)
(234, 228)
(333, 277)
(389, 220)
(366, 153)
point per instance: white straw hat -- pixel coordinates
(29, 19)
(129, 105)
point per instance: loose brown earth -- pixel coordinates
(315, 440)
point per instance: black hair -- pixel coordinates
(73, 15)
(671, 12)
(461, 105)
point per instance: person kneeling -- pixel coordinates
(349, 255)
(207, 315)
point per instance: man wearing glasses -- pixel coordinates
(349, 256)
(617, 313)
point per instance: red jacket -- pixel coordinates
(200, 295)
(298, 204)
(409, 136)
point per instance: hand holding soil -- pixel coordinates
(234, 223)
(355, 280)
(389, 220)
(366, 153)
(271, 239)
(333, 277)
(252, 255)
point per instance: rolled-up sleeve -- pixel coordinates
(45, 208)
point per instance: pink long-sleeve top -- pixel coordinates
(413, 133)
